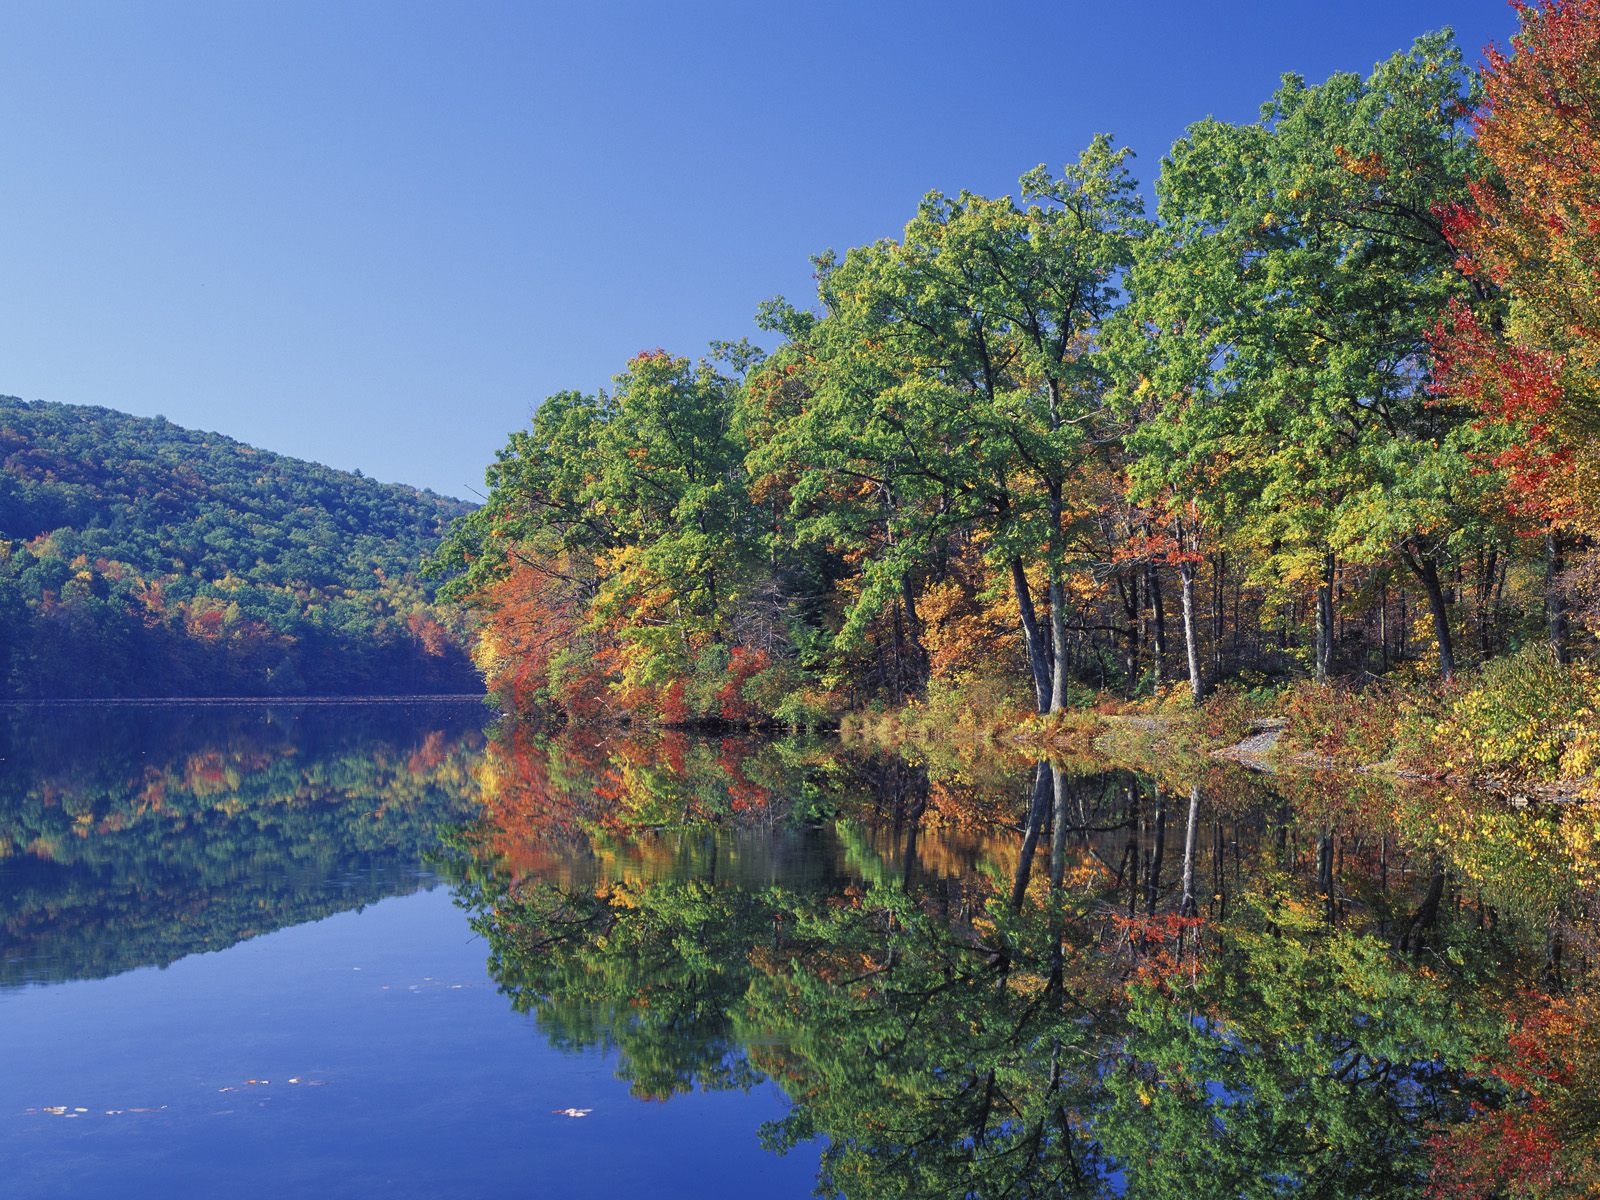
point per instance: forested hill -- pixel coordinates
(140, 558)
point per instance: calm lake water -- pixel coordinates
(374, 951)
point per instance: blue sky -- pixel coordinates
(376, 234)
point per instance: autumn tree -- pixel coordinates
(958, 385)
(616, 535)
(1530, 228)
(1286, 301)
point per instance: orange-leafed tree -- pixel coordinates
(1531, 230)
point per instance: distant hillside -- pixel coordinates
(139, 558)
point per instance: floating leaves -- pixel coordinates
(70, 1111)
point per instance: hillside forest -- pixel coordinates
(141, 559)
(1330, 411)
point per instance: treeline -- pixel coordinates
(1332, 410)
(138, 558)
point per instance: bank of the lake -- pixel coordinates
(1525, 723)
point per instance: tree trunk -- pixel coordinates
(1043, 793)
(1058, 641)
(1555, 604)
(1058, 598)
(1158, 853)
(1324, 640)
(1488, 567)
(1427, 571)
(1325, 876)
(1219, 568)
(1032, 637)
(919, 656)
(1191, 633)
(1158, 622)
(1059, 826)
(1130, 609)
(1383, 629)
(1427, 913)
(1187, 906)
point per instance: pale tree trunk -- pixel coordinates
(1191, 633)
(1188, 907)
(1158, 624)
(1059, 825)
(1058, 600)
(1058, 640)
(1191, 626)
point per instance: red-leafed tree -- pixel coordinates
(1532, 230)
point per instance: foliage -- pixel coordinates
(131, 837)
(1302, 422)
(1049, 1016)
(1548, 1145)
(1280, 319)
(609, 562)
(1300, 1058)
(137, 558)
(1531, 228)
(1355, 726)
(1526, 715)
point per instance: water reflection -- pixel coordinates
(968, 978)
(1062, 980)
(132, 837)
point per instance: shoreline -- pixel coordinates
(241, 701)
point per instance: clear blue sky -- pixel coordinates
(375, 234)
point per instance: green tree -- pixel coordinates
(957, 383)
(1285, 304)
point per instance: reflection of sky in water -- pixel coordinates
(415, 1080)
(224, 942)
(364, 1053)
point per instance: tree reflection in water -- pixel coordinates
(133, 836)
(1060, 980)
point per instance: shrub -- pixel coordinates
(1228, 715)
(1524, 715)
(1340, 722)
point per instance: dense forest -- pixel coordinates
(138, 558)
(1331, 411)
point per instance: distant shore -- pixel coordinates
(237, 701)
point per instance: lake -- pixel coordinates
(377, 950)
